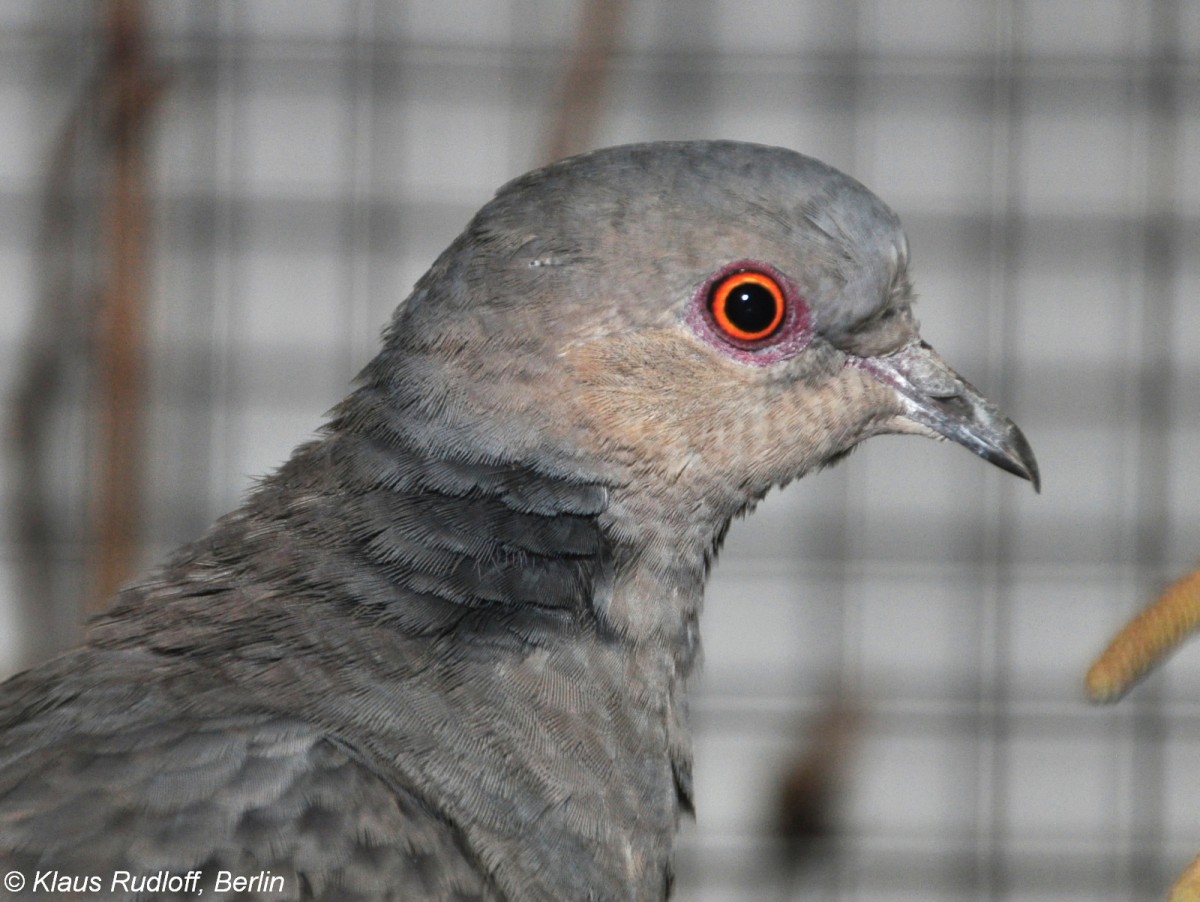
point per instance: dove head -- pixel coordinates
(691, 322)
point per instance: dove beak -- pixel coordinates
(937, 399)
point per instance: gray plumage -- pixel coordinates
(442, 653)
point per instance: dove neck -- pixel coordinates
(414, 522)
(446, 529)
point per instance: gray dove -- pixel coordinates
(443, 652)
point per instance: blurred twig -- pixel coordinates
(106, 124)
(61, 321)
(1146, 640)
(811, 791)
(582, 88)
(120, 339)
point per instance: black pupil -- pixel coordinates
(750, 307)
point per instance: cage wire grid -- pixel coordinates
(310, 159)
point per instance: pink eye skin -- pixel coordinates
(751, 312)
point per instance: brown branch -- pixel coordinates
(61, 320)
(120, 337)
(578, 107)
(812, 789)
(1146, 640)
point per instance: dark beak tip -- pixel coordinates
(1025, 468)
(1035, 479)
(1028, 463)
(1016, 457)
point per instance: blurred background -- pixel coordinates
(208, 210)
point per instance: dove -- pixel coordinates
(443, 652)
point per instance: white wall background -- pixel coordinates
(311, 157)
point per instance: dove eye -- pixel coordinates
(747, 306)
(751, 312)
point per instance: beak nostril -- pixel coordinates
(954, 403)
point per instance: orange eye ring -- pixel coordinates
(747, 306)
